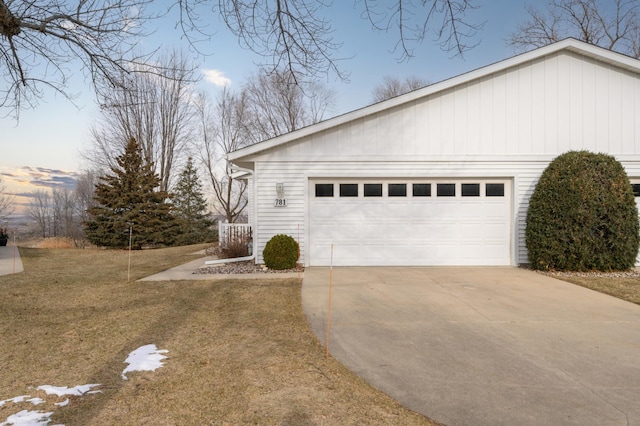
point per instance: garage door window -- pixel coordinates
(373, 190)
(324, 190)
(495, 190)
(446, 190)
(636, 189)
(470, 189)
(422, 190)
(397, 190)
(348, 189)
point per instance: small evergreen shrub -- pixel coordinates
(582, 216)
(281, 252)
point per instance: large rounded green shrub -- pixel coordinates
(281, 252)
(582, 215)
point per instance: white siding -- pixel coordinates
(545, 107)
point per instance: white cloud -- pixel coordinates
(216, 77)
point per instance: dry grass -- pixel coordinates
(55, 242)
(240, 352)
(623, 287)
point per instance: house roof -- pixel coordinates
(569, 44)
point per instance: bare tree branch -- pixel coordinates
(40, 41)
(413, 20)
(43, 42)
(613, 25)
(390, 87)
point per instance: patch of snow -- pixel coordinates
(35, 401)
(63, 403)
(16, 400)
(145, 358)
(63, 390)
(28, 418)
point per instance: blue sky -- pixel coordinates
(42, 149)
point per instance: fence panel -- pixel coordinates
(229, 232)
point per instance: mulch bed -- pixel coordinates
(248, 267)
(617, 274)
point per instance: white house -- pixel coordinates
(443, 175)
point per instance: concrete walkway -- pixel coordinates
(186, 272)
(483, 346)
(10, 262)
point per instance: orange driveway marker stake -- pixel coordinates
(298, 264)
(329, 307)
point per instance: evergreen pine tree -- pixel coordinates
(190, 208)
(128, 197)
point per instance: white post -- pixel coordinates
(15, 247)
(129, 271)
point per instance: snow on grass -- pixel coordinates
(145, 358)
(15, 400)
(63, 390)
(28, 418)
(23, 398)
(63, 403)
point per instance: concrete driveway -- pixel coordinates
(483, 346)
(10, 261)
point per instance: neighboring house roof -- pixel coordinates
(570, 44)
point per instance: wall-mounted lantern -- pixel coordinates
(280, 201)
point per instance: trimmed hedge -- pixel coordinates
(582, 216)
(281, 252)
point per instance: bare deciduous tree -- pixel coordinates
(39, 210)
(390, 87)
(223, 129)
(84, 193)
(65, 222)
(267, 106)
(41, 42)
(6, 203)
(155, 110)
(278, 105)
(614, 25)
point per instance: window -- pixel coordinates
(324, 190)
(397, 190)
(495, 190)
(348, 189)
(373, 190)
(636, 189)
(422, 190)
(446, 190)
(470, 189)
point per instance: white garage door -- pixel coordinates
(409, 222)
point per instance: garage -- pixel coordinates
(442, 175)
(410, 222)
